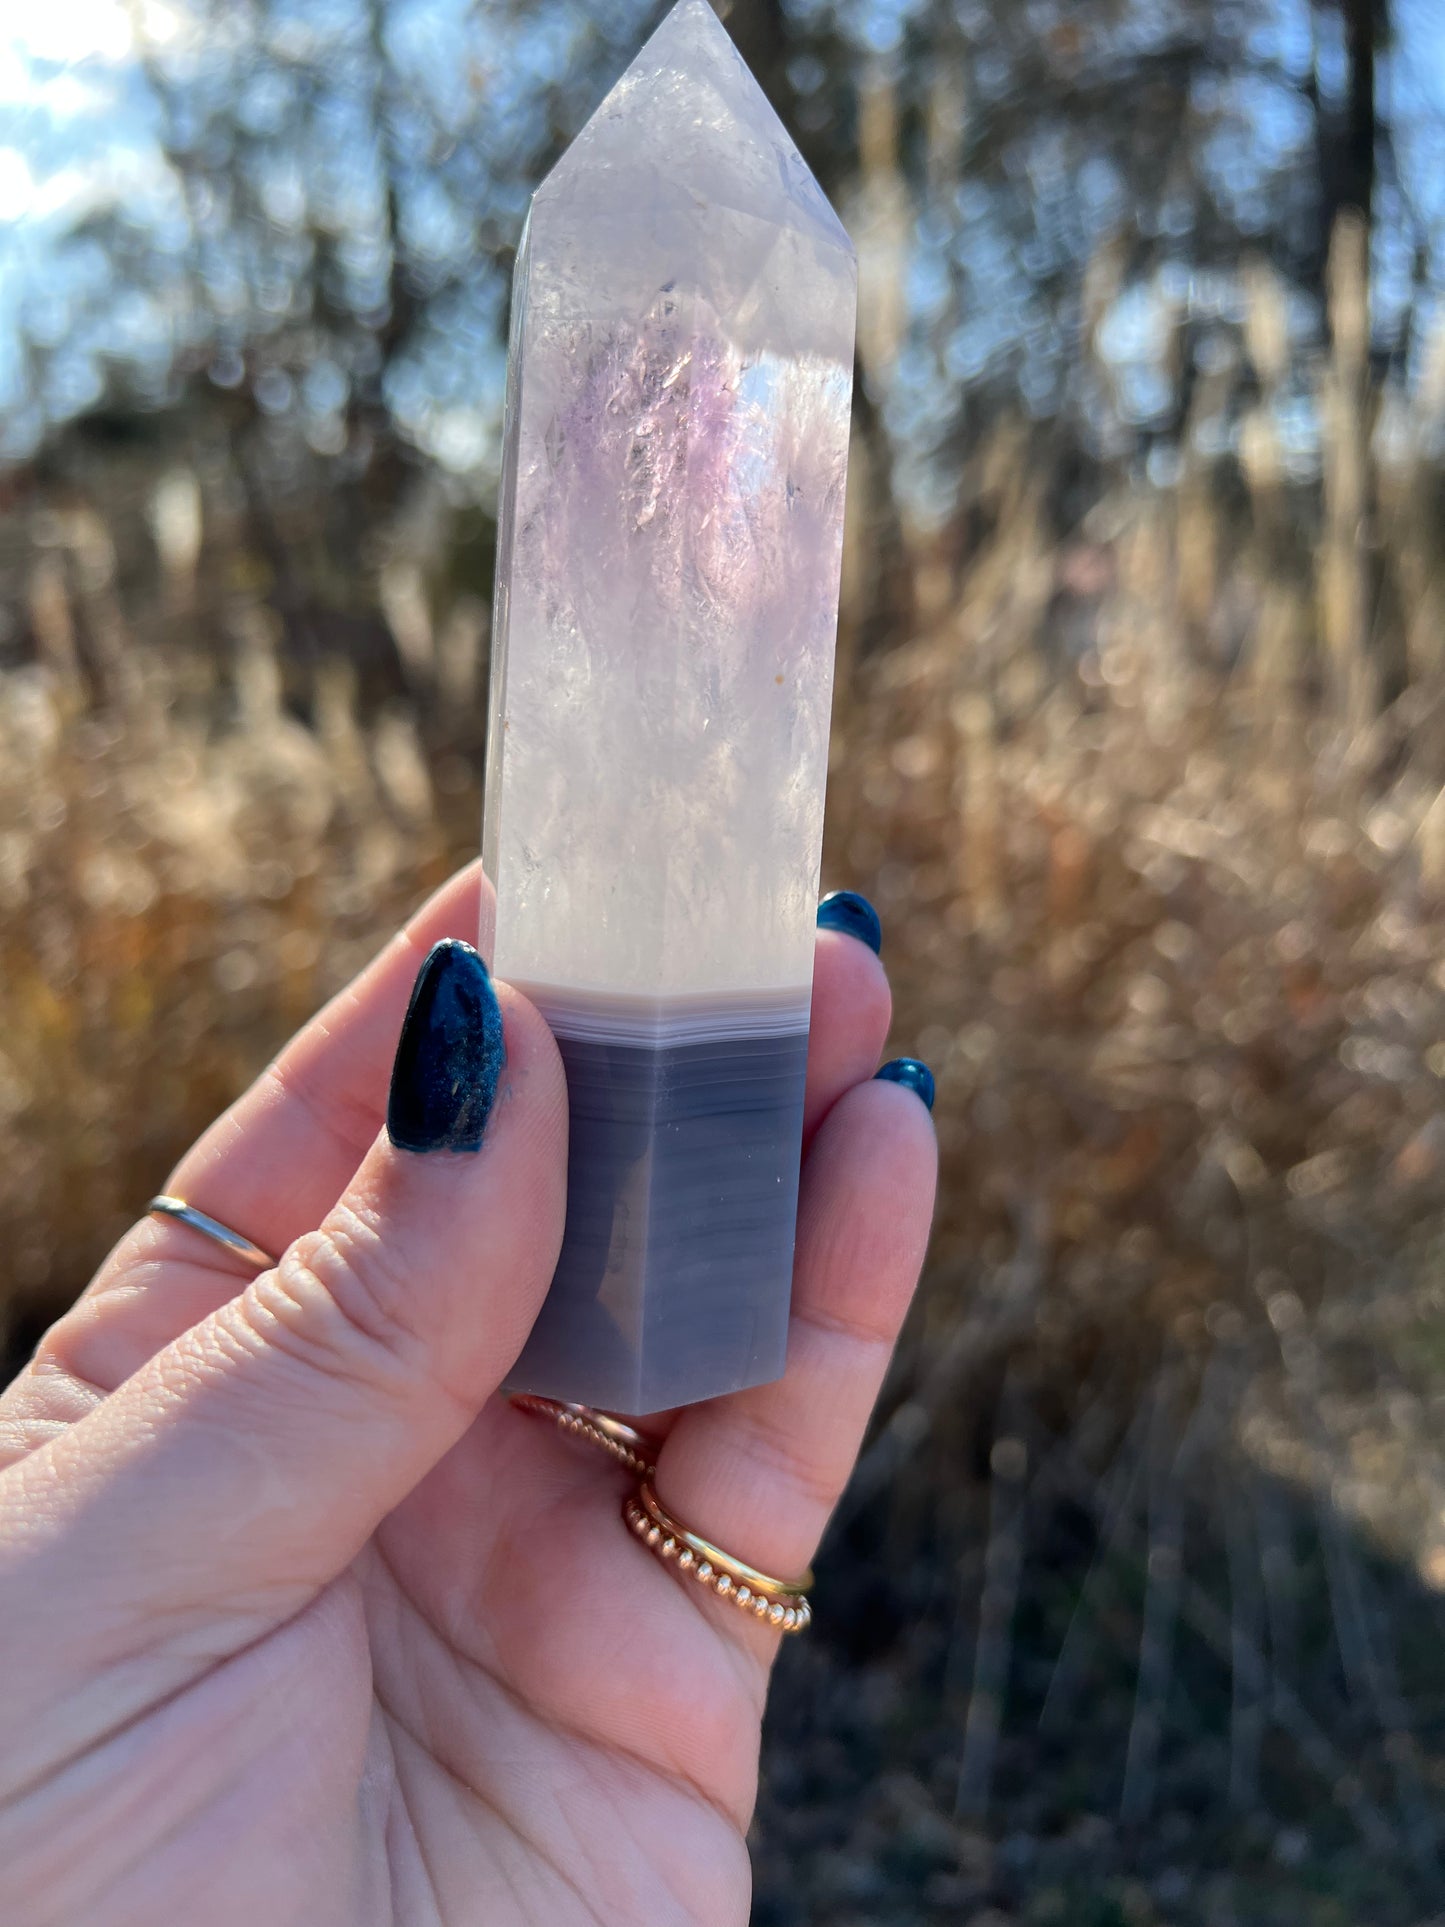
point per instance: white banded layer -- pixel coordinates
(674, 1280)
(604, 1017)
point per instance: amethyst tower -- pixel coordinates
(667, 596)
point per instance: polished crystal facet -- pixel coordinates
(667, 589)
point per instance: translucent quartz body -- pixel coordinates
(669, 548)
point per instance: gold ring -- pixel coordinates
(622, 1441)
(782, 1602)
(212, 1228)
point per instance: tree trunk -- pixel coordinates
(1364, 23)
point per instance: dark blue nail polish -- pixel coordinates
(450, 1055)
(914, 1076)
(855, 916)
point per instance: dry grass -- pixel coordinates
(177, 895)
(1132, 1615)
(1140, 1574)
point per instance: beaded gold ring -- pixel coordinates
(783, 1603)
(616, 1437)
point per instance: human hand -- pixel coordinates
(300, 1622)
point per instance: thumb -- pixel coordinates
(246, 1464)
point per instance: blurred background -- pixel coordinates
(1134, 1613)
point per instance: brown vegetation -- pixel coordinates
(1133, 1612)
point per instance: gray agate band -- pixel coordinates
(212, 1228)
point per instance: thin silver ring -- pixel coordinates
(212, 1228)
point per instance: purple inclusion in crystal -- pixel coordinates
(668, 554)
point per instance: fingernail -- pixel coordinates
(450, 1055)
(855, 916)
(913, 1075)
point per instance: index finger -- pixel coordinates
(270, 1167)
(273, 1164)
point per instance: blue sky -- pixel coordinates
(78, 134)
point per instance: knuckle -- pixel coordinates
(861, 1327)
(338, 1299)
(350, 1120)
(785, 1458)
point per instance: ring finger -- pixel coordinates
(759, 1472)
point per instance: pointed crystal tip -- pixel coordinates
(688, 118)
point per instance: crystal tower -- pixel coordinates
(667, 593)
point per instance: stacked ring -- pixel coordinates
(615, 1436)
(783, 1603)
